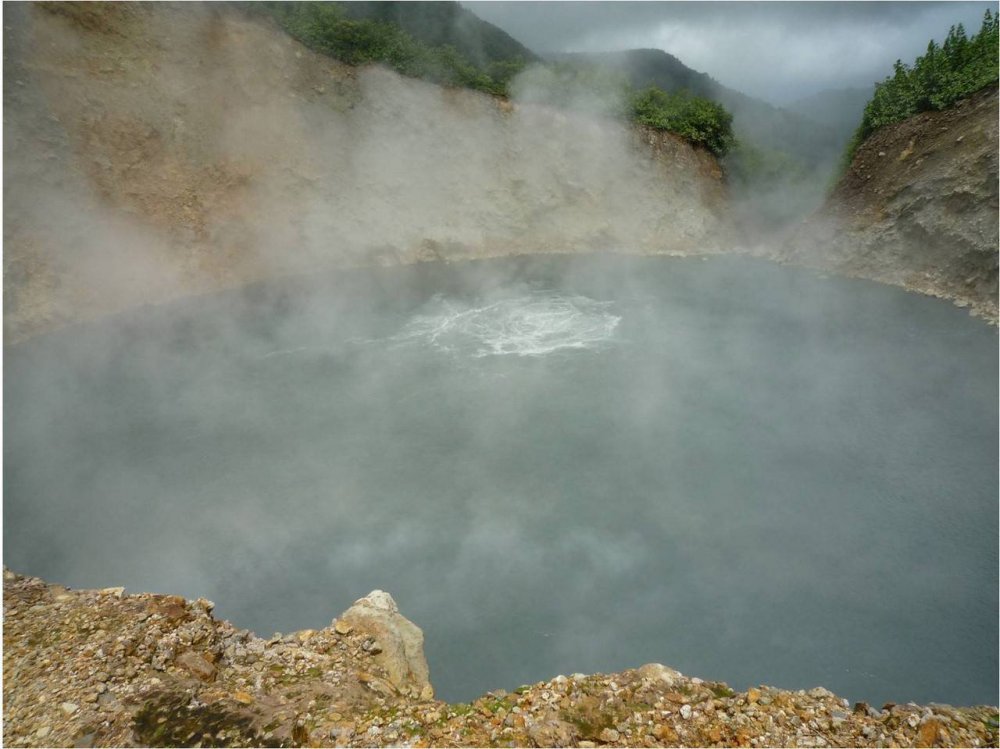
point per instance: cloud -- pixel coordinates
(776, 51)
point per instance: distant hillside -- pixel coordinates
(840, 109)
(445, 44)
(755, 121)
(445, 23)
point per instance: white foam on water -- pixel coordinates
(533, 325)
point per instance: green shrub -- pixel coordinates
(943, 75)
(324, 27)
(698, 120)
(747, 164)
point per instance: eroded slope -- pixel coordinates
(918, 208)
(156, 150)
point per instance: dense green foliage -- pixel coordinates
(755, 121)
(421, 40)
(439, 24)
(749, 165)
(943, 75)
(698, 120)
(325, 27)
(603, 90)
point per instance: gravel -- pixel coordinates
(103, 668)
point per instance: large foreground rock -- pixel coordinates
(396, 643)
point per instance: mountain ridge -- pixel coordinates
(755, 120)
(445, 23)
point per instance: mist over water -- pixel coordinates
(747, 472)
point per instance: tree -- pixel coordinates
(938, 78)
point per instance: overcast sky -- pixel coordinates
(778, 51)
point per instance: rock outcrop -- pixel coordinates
(395, 641)
(102, 668)
(918, 208)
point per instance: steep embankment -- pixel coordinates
(917, 208)
(153, 151)
(99, 668)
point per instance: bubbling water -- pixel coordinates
(555, 464)
(534, 325)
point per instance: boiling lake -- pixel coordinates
(750, 473)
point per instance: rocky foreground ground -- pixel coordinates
(101, 668)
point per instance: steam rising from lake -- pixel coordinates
(741, 470)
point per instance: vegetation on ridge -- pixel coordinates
(326, 28)
(943, 75)
(698, 120)
(765, 126)
(444, 23)
(377, 33)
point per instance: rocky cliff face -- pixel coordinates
(153, 151)
(102, 668)
(917, 208)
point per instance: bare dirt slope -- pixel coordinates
(155, 150)
(918, 208)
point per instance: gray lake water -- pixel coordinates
(750, 473)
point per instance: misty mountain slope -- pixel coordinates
(918, 207)
(441, 23)
(756, 121)
(158, 150)
(839, 109)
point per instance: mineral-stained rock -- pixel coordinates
(609, 735)
(553, 733)
(658, 671)
(929, 733)
(400, 648)
(197, 665)
(342, 628)
(665, 734)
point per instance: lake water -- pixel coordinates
(750, 473)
